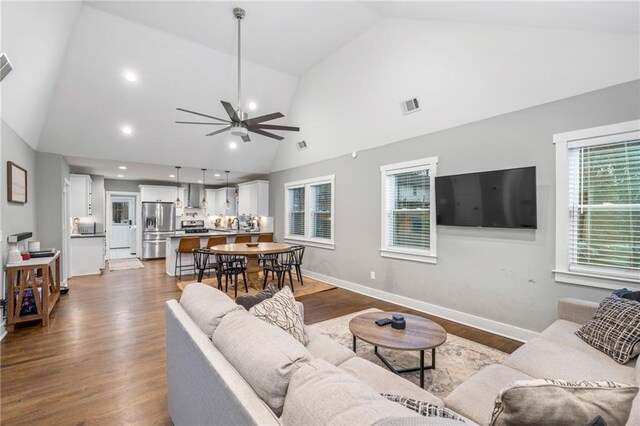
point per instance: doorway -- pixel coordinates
(121, 225)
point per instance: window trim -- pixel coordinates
(591, 277)
(307, 238)
(415, 255)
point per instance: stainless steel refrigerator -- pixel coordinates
(159, 222)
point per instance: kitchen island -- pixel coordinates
(174, 240)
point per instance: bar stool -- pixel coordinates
(265, 238)
(186, 246)
(242, 239)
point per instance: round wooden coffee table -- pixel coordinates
(420, 334)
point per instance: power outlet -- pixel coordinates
(373, 275)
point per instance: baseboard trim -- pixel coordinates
(485, 324)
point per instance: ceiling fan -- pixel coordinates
(239, 123)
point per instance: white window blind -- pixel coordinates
(604, 208)
(296, 211)
(321, 211)
(309, 211)
(408, 227)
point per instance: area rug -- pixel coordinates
(124, 264)
(456, 360)
(309, 287)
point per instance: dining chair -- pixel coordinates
(231, 265)
(298, 254)
(214, 241)
(280, 264)
(201, 258)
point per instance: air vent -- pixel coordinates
(5, 66)
(301, 145)
(409, 106)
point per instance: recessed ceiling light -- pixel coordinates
(233, 145)
(120, 175)
(199, 181)
(127, 130)
(123, 167)
(130, 76)
(217, 175)
(252, 105)
(172, 176)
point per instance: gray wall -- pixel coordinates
(17, 217)
(52, 171)
(499, 274)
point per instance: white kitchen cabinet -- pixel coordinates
(87, 255)
(253, 198)
(211, 202)
(80, 195)
(221, 197)
(166, 194)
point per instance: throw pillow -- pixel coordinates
(424, 408)
(248, 301)
(596, 421)
(614, 329)
(562, 403)
(282, 311)
(627, 294)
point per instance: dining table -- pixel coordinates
(252, 250)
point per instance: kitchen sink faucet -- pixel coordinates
(236, 220)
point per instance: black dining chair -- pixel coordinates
(298, 254)
(280, 264)
(231, 265)
(201, 261)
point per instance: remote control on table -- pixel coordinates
(383, 321)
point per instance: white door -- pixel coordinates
(122, 218)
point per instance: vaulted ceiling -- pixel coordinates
(337, 69)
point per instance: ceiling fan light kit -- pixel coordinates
(239, 124)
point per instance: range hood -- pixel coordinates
(194, 195)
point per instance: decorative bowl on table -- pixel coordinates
(252, 244)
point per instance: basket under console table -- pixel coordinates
(42, 277)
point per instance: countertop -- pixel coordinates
(98, 235)
(180, 234)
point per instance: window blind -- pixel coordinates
(408, 209)
(604, 207)
(321, 211)
(296, 211)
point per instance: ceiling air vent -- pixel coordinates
(301, 145)
(409, 106)
(5, 66)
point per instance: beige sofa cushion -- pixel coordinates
(382, 380)
(634, 417)
(322, 394)
(562, 403)
(476, 397)
(324, 347)
(265, 355)
(542, 358)
(206, 306)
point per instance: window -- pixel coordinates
(309, 211)
(120, 212)
(598, 202)
(408, 219)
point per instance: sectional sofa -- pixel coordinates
(225, 366)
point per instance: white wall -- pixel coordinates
(461, 73)
(499, 279)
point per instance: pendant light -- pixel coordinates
(226, 191)
(178, 202)
(203, 203)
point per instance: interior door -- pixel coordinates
(122, 217)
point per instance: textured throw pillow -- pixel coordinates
(250, 300)
(562, 403)
(282, 311)
(424, 408)
(614, 329)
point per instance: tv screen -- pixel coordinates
(497, 199)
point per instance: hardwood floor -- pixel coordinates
(102, 359)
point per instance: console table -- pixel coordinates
(40, 273)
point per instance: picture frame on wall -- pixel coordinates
(16, 183)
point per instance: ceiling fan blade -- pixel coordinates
(232, 112)
(218, 131)
(203, 115)
(246, 138)
(256, 120)
(276, 127)
(198, 122)
(263, 133)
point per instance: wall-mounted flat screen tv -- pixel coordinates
(495, 199)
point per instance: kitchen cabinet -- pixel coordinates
(220, 199)
(87, 256)
(80, 195)
(164, 194)
(253, 198)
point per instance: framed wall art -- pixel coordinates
(16, 183)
